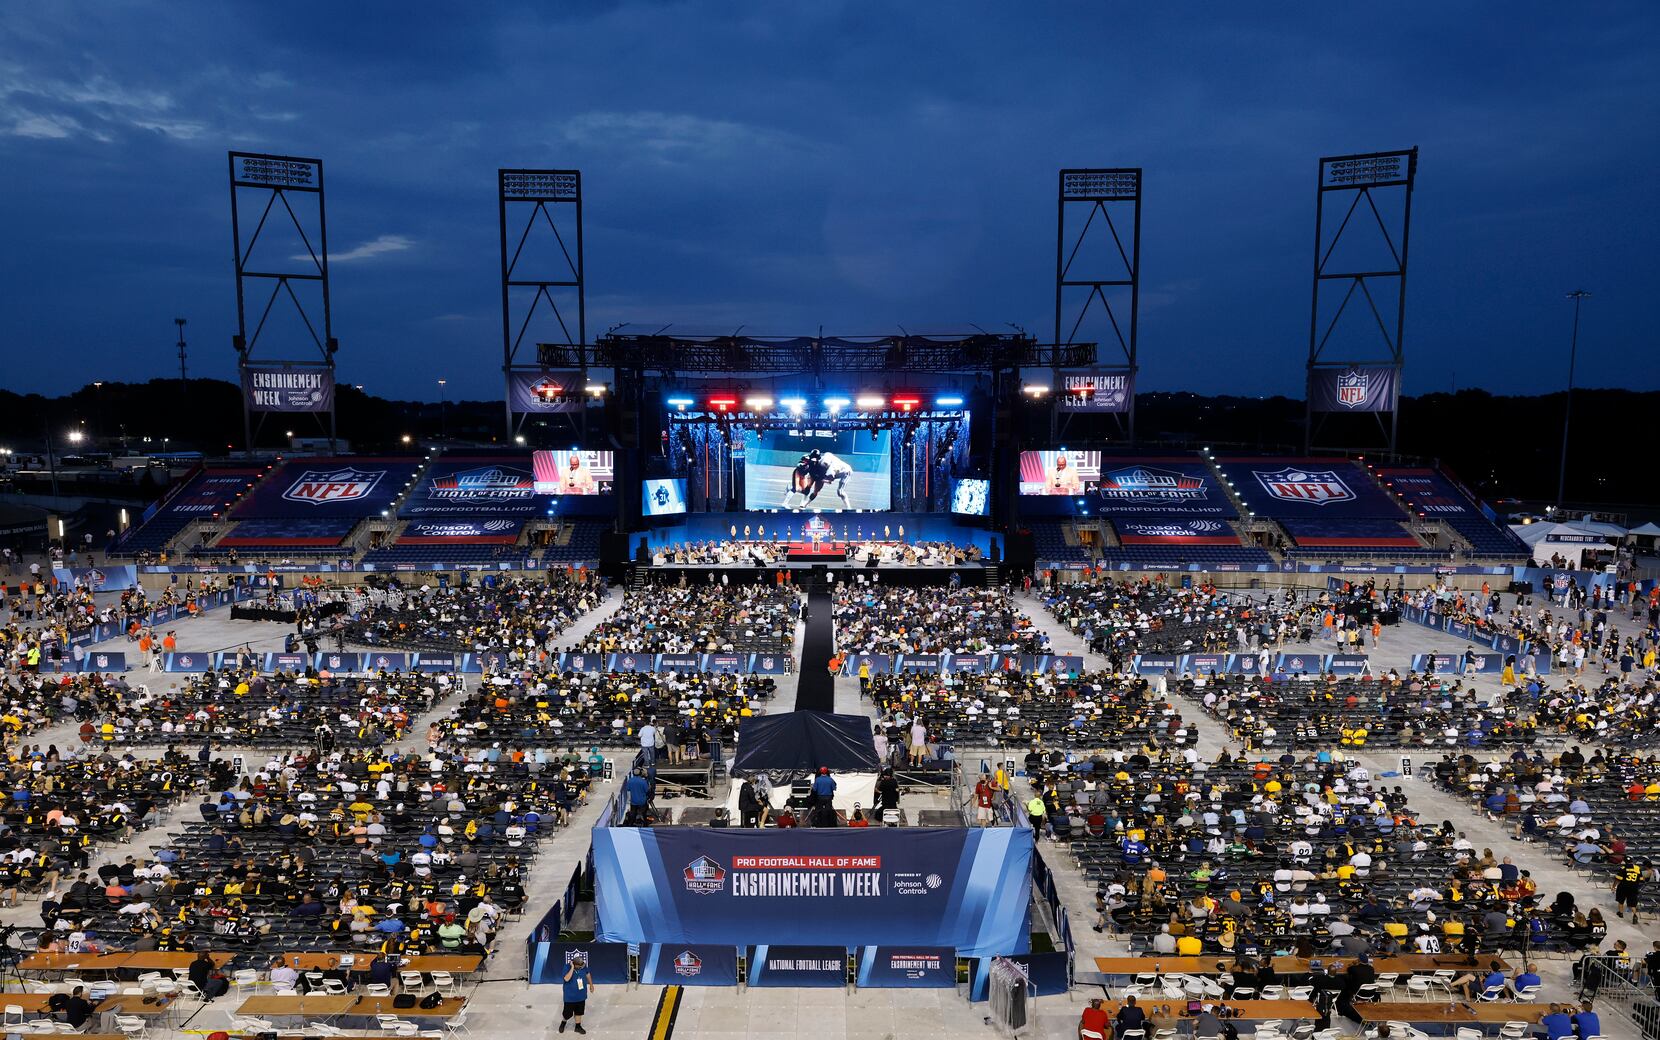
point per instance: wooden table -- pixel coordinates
(369, 1007)
(1405, 964)
(318, 1006)
(1253, 1010)
(454, 963)
(171, 960)
(148, 960)
(341, 1007)
(46, 961)
(124, 1005)
(1434, 1012)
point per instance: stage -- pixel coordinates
(973, 574)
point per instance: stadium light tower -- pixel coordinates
(1578, 296)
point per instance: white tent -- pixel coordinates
(1566, 540)
(1650, 530)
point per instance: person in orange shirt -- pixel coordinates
(169, 644)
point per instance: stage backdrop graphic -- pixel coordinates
(280, 387)
(1304, 488)
(1096, 390)
(1358, 388)
(1427, 491)
(479, 486)
(855, 463)
(966, 889)
(1159, 488)
(207, 492)
(328, 487)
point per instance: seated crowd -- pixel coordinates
(518, 619)
(1601, 813)
(682, 617)
(1122, 618)
(345, 851)
(1305, 857)
(1280, 709)
(873, 619)
(693, 711)
(1015, 709)
(245, 708)
(62, 805)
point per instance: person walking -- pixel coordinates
(579, 985)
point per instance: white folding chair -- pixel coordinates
(132, 1025)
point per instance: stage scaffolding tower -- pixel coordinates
(1357, 318)
(1098, 279)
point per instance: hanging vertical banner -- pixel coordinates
(1095, 390)
(545, 391)
(286, 387)
(1357, 388)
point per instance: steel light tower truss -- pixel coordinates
(284, 249)
(543, 288)
(1362, 221)
(1098, 268)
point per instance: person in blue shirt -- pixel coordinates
(1529, 976)
(639, 796)
(824, 787)
(579, 985)
(1557, 1024)
(1586, 1022)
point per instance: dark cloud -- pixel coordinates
(854, 166)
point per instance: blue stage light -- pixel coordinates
(948, 402)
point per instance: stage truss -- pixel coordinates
(285, 248)
(1360, 266)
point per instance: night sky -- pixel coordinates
(855, 167)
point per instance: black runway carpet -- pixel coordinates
(815, 688)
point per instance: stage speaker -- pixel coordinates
(642, 554)
(993, 554)
(1022, 550)
(613, 552)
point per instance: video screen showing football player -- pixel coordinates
(815, 470)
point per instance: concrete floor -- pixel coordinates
(503, 1005)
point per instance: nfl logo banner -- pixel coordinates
(104, 662)
(581, 663)
(769, 664)
(919, 663)
(607, 962)
(690, 964)
(340, 664)
(1352, 388)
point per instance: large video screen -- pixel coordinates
(664, 497)
(572, 472)
(971, 496)
(828, 470)
(1058, 472)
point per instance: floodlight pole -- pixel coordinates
(1578, 296)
